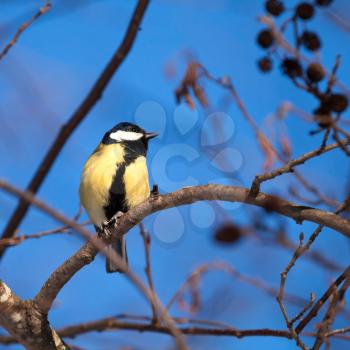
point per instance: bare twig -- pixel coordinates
(328, 319)
(83, 109)
(289, 167)
(280, 297)
(314, 311)
(85, 255)
(19, 239)
(231, 271)
(23, 27)
(147, 244)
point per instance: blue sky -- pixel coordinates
(46, 75)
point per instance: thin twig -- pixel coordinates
(46, 296)
(23, 27)
(314, 311)
(82, 111)
(19, 239)
(289, 167)
(147, 244)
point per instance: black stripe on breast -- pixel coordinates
(133, 150)
(116, 194)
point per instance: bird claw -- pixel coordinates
(154, 192)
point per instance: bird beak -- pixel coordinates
(150, 135)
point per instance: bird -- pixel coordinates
(115, 179)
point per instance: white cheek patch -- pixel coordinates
(121, 135)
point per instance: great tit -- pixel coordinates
(115, 179)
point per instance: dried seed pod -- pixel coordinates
(310, 40)
(304, 11)
(337, 102)
(291, 67)
(265, 64)
(323, 116)
(265, 38)
(274, 7)
(228, 233)
(315, 72)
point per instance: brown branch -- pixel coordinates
(19, 239)
(214, 329)
(23, 27)
(85, 255)
(289, 166)
(299, 251)
(115, 324)
(26, 323)
(48, 292)
(83, 109)
(328, 319)
(231, 271)
(266, 146)
(297, 254)
(314, 311)
(147, 244)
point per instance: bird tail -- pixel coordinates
(120, 248)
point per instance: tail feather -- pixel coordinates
(120, 248)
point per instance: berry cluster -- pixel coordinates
(307, 77)
(303, 12)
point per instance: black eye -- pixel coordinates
(133, 129)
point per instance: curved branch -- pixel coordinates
(48, 292)
(184, 196)
(190, 195)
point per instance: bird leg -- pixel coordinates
(155, 192)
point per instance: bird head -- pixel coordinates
(127, 133)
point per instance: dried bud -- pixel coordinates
(315, 72)
(337, 103)
(228, 233)
(291, 67)
(304, 11)
(265, 64)
(265, 38)
(310, 40)
(323, 2)
(274, 7)
(323, 117)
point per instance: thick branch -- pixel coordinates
(26, 323)
(84, 256)
(190, 195)
(81, 112)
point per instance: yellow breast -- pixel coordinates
(96, 180)
(136, 182)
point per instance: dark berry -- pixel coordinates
(310, 40)
(265, 38)
(274, 7)
(228, 233)
(323, 2)
(315, 72)
(337, 103)
(291, 67)
(304, 11)
(265, 64)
